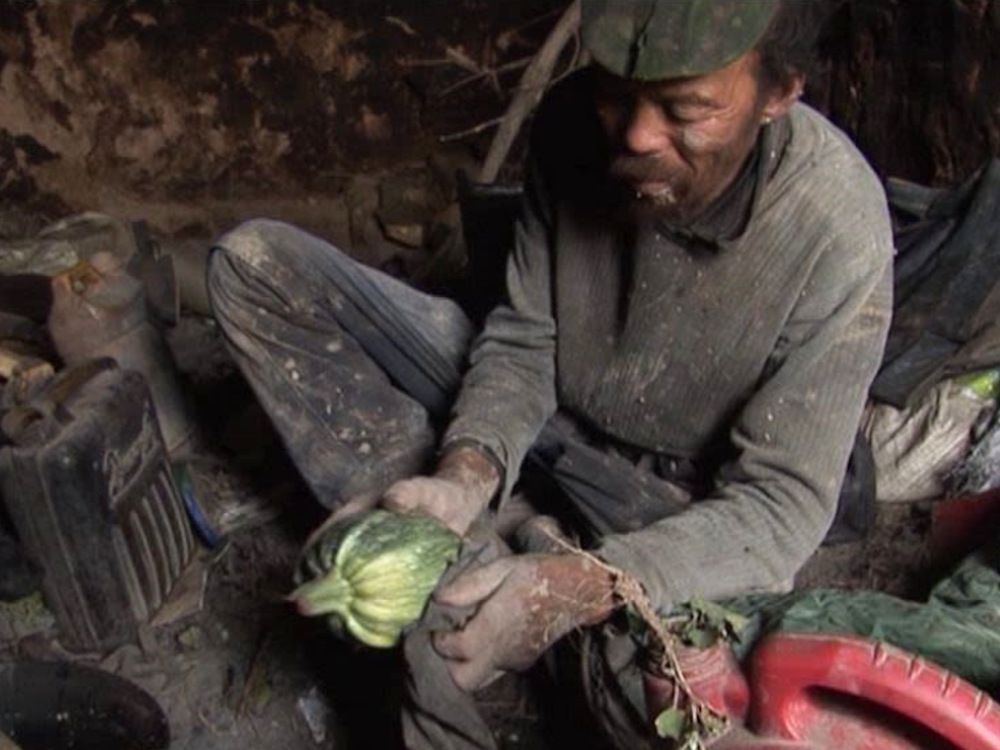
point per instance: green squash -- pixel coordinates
(371, 574)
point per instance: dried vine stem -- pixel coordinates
(630, 592)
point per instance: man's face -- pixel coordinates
(677, 144)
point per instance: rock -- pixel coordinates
(147, 640)
(122, 659)
(192, 639)
(369, 243)
(411, 235)
(317, 714)
(373, 126)
(24, 617)
(407, 203)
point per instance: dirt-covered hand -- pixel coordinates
(446, 500)
(460, 489)
(524, 605)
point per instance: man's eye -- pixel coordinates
(684, 115)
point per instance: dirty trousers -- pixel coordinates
(353, 366)
(358, 372)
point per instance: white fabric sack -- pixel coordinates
(915, 449)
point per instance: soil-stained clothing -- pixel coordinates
(744, 344)
(736, 354)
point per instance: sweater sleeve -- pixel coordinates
(508, 392)
(772, 505)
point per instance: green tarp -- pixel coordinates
(958, 627)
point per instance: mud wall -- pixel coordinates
(196, 114)
(917, 83)
(178, 109)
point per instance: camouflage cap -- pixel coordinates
(656, 39)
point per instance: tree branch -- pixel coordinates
(530, 91)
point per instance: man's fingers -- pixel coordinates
(472, 675)
(453, 645)
(442, 499)
(468, 660)
(410, 495)
(476, 585)
(356, 504)
(400, 497)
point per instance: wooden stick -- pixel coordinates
(530, 91)
(471, 131)
(401, 24)
(506, 67)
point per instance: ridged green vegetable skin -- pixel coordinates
(371, 574)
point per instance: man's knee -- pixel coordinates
(261, 244)
(260, 261)
(278, 256)
(245, 275)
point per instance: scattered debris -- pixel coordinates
(147, 640)
(123, 658)
(187, 597)
(406, 202)
(24, 617)
(401, 24)
(316, 712)
(192, 639)
(257, 687)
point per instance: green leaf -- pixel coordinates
(636, 625)
(701, 637)
(725, 622)
(713, 614)
(670, 724)
(737, 624)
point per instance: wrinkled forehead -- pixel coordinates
(651, 40)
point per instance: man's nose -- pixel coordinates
(646, 130)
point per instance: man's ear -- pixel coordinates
(780, 99)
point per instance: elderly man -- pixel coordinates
(697, 302)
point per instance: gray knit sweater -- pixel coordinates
(760, 328)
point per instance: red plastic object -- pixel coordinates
(822, 692)
(850, 693)
(714, 676)
(961, 524)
